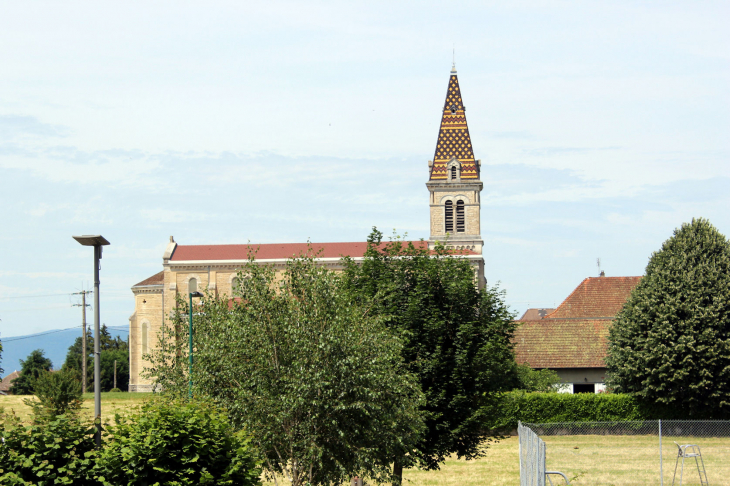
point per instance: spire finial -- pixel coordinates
(453, 60)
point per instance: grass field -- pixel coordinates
(110, 403)
(585, 459)
(633, 460)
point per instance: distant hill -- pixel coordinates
(55, 343)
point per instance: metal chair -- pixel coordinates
(690, 450)
(548, 473)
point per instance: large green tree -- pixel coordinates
(457, 338)
(316, 378)
(670, 344)
(112, 348)
(31, 367)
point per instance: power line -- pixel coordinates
(45, 333)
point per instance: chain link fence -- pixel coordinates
(625, 453)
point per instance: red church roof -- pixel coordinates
(274, 251)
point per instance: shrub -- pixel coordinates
(115, 390)
(170, 442)
(565, 407)
(58, 393)
(57, 451)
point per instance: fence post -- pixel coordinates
(661, 463)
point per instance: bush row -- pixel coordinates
(165, 443)
(581, 407)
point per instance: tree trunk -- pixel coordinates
(397, 472)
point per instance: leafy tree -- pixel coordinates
(178, 443)
(457, 338)
(58, 393)
(31, 368)
(317, 378)
(1, 356)
(112, 348)
(531, 380)
(670, 344)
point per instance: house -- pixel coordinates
(6, 384)
(454, 204)
(573, 339)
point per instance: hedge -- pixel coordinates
(565, 407)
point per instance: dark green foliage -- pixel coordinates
(58, 451)
(31, 368)
(315, 377)
(537, 380)
(670, 345)
(566, 407)
(58, 393)
(115, 390)
(456, 337)
(177, 443)
(112, 348)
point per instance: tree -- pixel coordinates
(31, 368)
(531, 380)
(315, 377)
(1, 356)
(670, 344)
(58, 393)
(457, 338)
(112, 348)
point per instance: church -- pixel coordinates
(454, 188)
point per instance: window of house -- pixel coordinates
(145, 327)
(235, 286)
(453, 172)
(449, 216)
(460, 225)
(193, 285)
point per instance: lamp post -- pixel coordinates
(97, 241)
(190, 335)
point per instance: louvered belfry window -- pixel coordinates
(449, 216)
(460, 226)
(453, 172)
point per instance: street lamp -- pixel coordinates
(190, 334)
(97, 241)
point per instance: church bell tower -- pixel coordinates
(454, 186)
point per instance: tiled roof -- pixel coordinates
(454, 140)
(562, 343)
(274, 251)
(575, 335)
(596, 297)
(535, 314)
(156, 279)
(7, 381)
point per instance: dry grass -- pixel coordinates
(633, 460)
(110, 403)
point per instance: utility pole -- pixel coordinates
(84, 355)
(115, 373)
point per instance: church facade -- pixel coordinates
(454, 187)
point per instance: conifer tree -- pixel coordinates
(670, 344)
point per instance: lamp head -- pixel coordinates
(196, 294)
(91, 240)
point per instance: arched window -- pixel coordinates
(449, 216)
(192, 285)
(145, 327)
(235, 286)
(460, 227)
(453, 172)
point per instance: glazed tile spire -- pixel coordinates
(454, 140)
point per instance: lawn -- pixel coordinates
(110, 403)
(633, 460)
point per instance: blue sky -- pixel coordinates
(601, 127)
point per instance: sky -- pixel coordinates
(601, 126)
